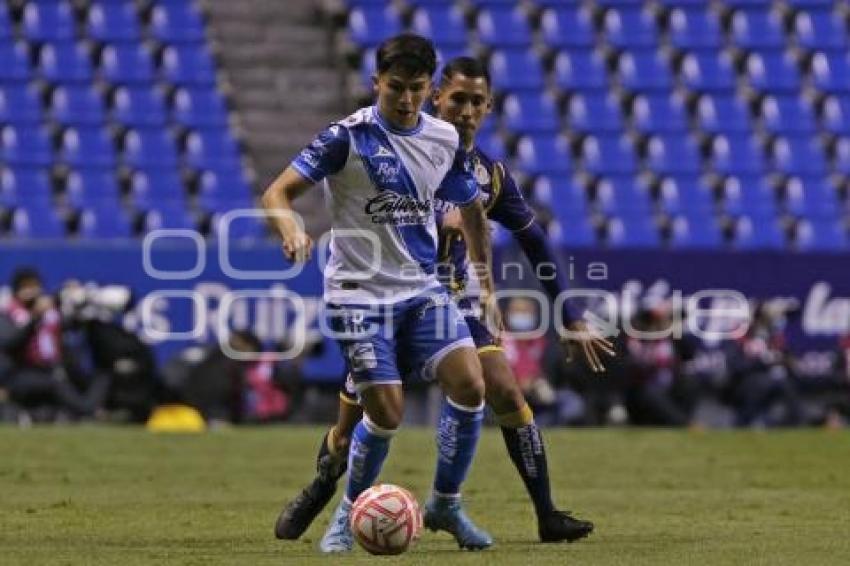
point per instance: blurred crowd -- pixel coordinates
(67, 357)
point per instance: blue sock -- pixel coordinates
(457, 438)
(369, 447)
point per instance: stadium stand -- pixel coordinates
(111, 118)
(734, 114)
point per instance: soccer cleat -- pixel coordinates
(446, 514)
(557, 526)
(299, 513)
(338, 537)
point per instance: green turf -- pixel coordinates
(121, 496)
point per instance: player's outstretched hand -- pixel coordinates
(587, 339)
(298, 247)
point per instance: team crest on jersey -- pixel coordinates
(482, 176)
(383, 152)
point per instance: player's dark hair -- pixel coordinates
(23, 275)
(410, 53)
(466, 66)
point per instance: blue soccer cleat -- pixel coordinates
(338, 537)
(446, 514)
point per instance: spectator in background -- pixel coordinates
(657, 393)
(31, 337)
(761, 378)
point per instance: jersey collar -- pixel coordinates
(397, 131)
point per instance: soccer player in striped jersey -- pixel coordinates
(384, 167)
(464, 98)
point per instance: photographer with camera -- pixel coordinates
(31, 338)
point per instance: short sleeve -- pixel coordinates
(326, 154)
(511, 210)
(459, 184)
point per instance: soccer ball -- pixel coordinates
(386, 519)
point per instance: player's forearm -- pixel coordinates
(277, 201)
(476, 233)
(540, 254)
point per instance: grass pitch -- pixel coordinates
(120, 496)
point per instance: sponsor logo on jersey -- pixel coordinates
(388, 207)
(383, 152)
(361, 356)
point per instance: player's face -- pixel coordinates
(464, 102)
(401, 96)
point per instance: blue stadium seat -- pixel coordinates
(516, 69)
(681, 3)
(609, 154)
(575, 232)
(445, 25)
(19, 104)
(544, 154)
(113, 20)
(694, 28)
(370, 25)
(567, 27)
(531, 112)
(685, 195)
(657, 112)
(842, 156)
(491, 142)
(188, 63)
(106, 222)
(811, 197)
(708, 71)
(723, 113)
(824, 235)
(199, 107)
(751, 196)
(48, 20)
(643, 70)
(672, 154)
(148, 187)
(820, 29)
(580, 69)
(503, 27)
(798, 156)
(787, 114)
(734, 154)
(773, 71)
(88, 147)
(26, 145)
(622, 196)
(831, 71)
(628, 27)
(836, 115)
(212, 148)
(223, 187)
(65, 62)
(695, 232)
(175, 22)
(138, 105)
(37, 223)
(77, 105)
(169, 215)
(124, 63)
(757, 29)
(809, 4)
(566, 199)
(149, 147)
(758, 233)
(592, 113)
(25, 184)
(14, 61)
(637, 232)
(93, 187)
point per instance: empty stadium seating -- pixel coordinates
(111, 122)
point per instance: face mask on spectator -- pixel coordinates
(521, 321)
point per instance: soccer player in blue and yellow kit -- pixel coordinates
(464, 98)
